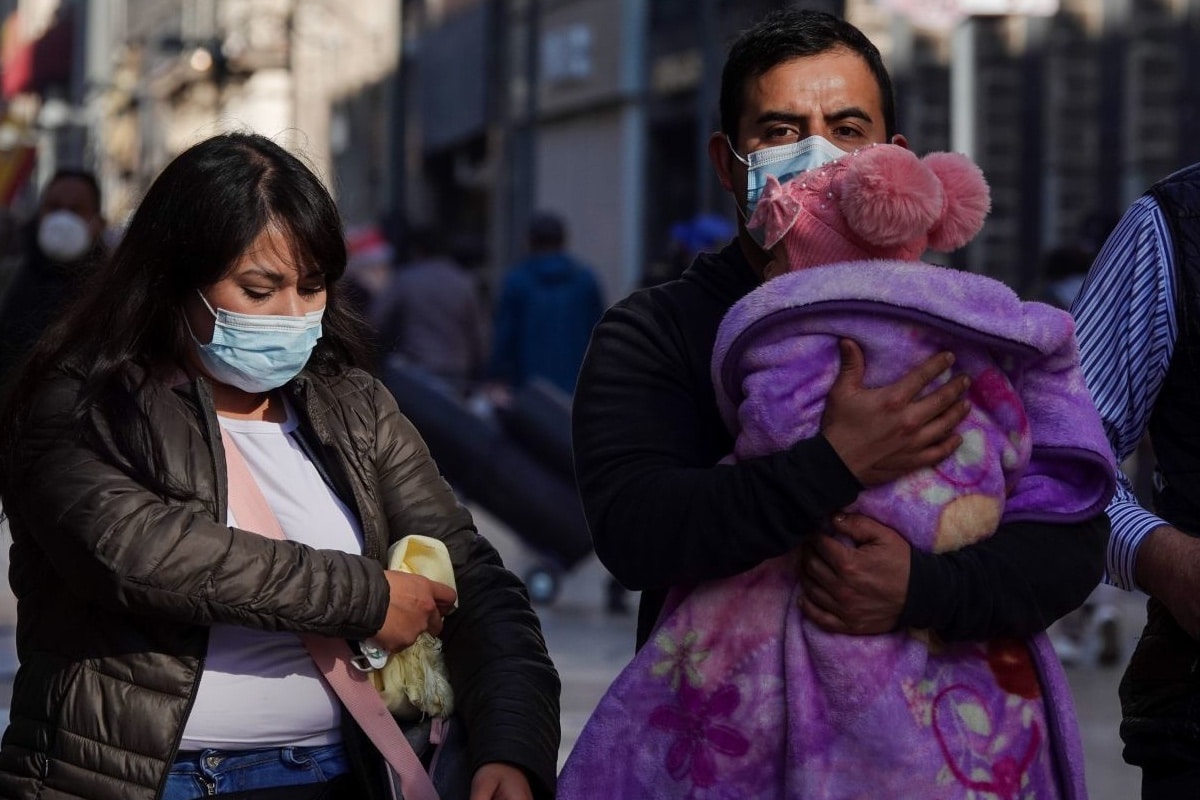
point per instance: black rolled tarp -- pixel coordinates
(522, 486)
(539, 419)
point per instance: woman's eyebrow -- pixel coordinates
(274, 276)
(315, 271)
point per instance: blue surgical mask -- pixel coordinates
(258, 352)
(783, 162)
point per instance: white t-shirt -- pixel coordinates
(260, 688)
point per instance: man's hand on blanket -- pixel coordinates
(886, 432)
(857, 586)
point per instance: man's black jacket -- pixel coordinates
(647, 438)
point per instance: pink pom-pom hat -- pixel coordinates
(880, 202)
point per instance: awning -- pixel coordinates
(35, 66)
(16, 165)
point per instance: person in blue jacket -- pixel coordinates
(548, 305)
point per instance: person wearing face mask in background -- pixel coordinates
(162, 638)
(61, 245)
(648, 434)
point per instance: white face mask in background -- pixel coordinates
(64, 236)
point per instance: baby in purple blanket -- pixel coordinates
(737, 694)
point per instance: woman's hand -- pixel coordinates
(496, 781)
(416, 605)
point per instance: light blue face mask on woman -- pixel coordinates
(258, 352)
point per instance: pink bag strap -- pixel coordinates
(332, 656)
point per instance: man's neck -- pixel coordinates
(756, 257)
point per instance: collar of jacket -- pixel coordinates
(726, 273)
(314, 435)
(312, 398)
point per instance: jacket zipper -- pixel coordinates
(370, 528)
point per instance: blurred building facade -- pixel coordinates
(601, 109)
(125, 85)
(475, 113)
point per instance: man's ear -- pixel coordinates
(900, 140)
(721, 156)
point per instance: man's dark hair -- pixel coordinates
(795, 33)
(547, 231)
(84, 176)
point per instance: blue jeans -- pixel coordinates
(208, 772)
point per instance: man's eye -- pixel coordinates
(785, 134)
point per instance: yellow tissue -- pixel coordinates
(423, 555)
(414, 682)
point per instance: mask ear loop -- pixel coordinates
(207, 305)
(737, 202)
(188, 323)
(736, 154)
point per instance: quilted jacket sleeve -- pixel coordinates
(111, 541)
(506, 688)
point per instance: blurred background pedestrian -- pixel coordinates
(431, 314)
(548, 305)
(370, 256)
(703, 233)
(549, 302)
(1062, 270)
(60, 246)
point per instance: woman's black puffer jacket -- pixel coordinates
(117, 587)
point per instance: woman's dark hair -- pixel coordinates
(199, 215)
(795, 33)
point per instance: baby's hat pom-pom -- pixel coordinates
(967, 200)
(887, 196)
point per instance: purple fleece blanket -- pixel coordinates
(738, 696)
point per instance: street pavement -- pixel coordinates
(590, 647)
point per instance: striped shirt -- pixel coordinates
(1125, 323)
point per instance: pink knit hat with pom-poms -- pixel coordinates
(880, 202)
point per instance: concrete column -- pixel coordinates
(635, 22)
